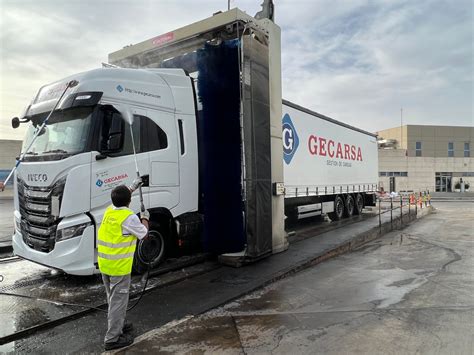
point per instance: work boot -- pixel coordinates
(122, 341)
(127, 327)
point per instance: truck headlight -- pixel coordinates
(71, 232)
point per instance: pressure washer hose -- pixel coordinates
(147, 277)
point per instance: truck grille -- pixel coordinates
(39, 209)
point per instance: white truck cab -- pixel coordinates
(63, 185)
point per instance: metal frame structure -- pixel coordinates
(261, 112)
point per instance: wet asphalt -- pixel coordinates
(191, 297)
(408, 292)
(6, 220)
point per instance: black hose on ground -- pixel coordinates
(60, 303)
(144, 288)
(57, 303)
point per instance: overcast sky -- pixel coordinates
(357, 61)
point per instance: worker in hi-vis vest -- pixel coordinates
(117, 241)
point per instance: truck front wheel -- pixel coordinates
(150, 251)
(338, 209)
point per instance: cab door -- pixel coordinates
(160, 140)
(111, 170)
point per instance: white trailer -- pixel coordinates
(329, 166)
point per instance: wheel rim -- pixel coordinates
(150, 250)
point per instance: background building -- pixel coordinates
(415, 157)
(9, 150)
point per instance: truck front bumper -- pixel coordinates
(75, 256)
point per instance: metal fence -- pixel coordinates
(397, 205)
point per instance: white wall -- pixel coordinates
(421, 170)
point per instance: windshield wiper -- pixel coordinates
(56, 151)
(32, 153)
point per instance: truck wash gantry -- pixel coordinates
(260, 114)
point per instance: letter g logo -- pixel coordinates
(290, 139)
(287, 139)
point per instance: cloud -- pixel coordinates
(358, 61)
(373, 58)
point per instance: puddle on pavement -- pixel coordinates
(31, 317)
(20, 313)
(314, 226)
(217, 335)
(381, 278)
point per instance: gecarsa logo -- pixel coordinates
(290, 139)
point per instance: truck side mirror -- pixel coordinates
(15, 122)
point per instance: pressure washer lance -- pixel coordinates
(70, 84)
(142, 208)
(142, 205)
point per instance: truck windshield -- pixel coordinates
(65, 134)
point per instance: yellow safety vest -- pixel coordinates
(115, 250)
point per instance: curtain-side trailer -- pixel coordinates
(329, 167)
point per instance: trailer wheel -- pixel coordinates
(359, 204)
(150, 251)
(349, 206)
(338, 209)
